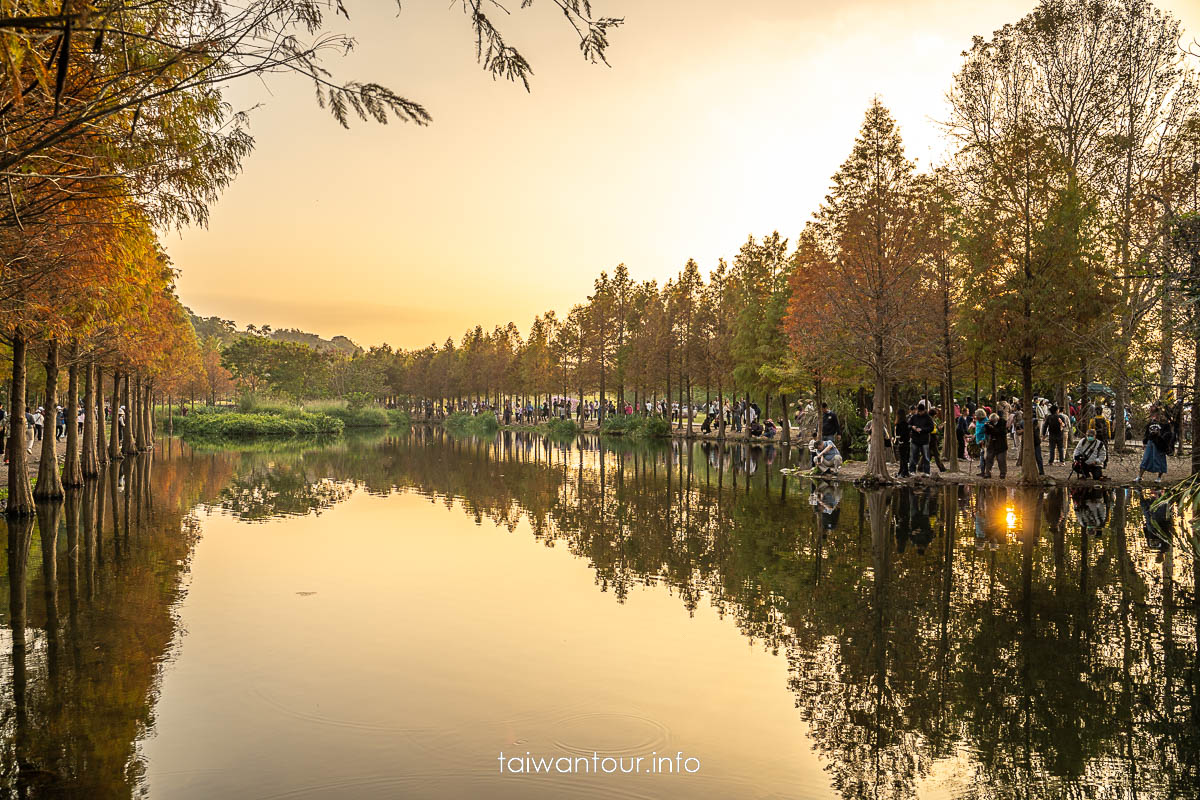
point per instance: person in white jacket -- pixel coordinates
(1090, 455)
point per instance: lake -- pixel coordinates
(417, 615)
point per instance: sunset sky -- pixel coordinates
(716, 120)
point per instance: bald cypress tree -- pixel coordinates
(860, 289)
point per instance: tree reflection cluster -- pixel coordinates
(1008, 643)
(87, 612)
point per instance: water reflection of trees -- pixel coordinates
(984, 635)
(90, 584)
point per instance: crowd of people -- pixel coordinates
(984, 435)
(35, 425)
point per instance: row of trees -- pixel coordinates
(1049, 249)
(114, 128)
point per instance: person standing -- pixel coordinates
(979, 436)
(1102, 427)
(920, 427)
(1157, 441)
(1054, 429)
(935, 439)
(962, 428)
(831, 426)
(996, 431)
(1016, 424)
(901, 440)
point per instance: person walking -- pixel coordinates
(1157, 441)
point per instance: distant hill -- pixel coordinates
(338, 344)
(226, 330)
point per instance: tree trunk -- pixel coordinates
(115, 452)
(680, 401)
(1195, 410)
(133, 412)
(785, 422)
(49, 483)
(949, 429)
(101, 431)
(90, 465)
(20, 493)
(720, 412)
(600, 411)
(1119, 432)
(128, 445)
(818, 398)
(690, 404)
(1083, 384)
(148, 416)
(72, 466)
(1029, 470)
(877, 459)
(1167, 357)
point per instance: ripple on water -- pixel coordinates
(609, 734)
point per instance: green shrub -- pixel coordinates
(653, 428)
(616, 426)
(399, 417)
(461, 422)
(351, 414)
(561, 428)
(854, 435)
(356, 401)
(636, 427)
(251, 403)
(237, 425)
(368, 417)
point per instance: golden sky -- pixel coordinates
(717, 119)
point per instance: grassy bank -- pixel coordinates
(223, 424)
(259, 418)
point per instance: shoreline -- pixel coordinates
(1121, 471)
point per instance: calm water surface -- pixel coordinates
(384, 617)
